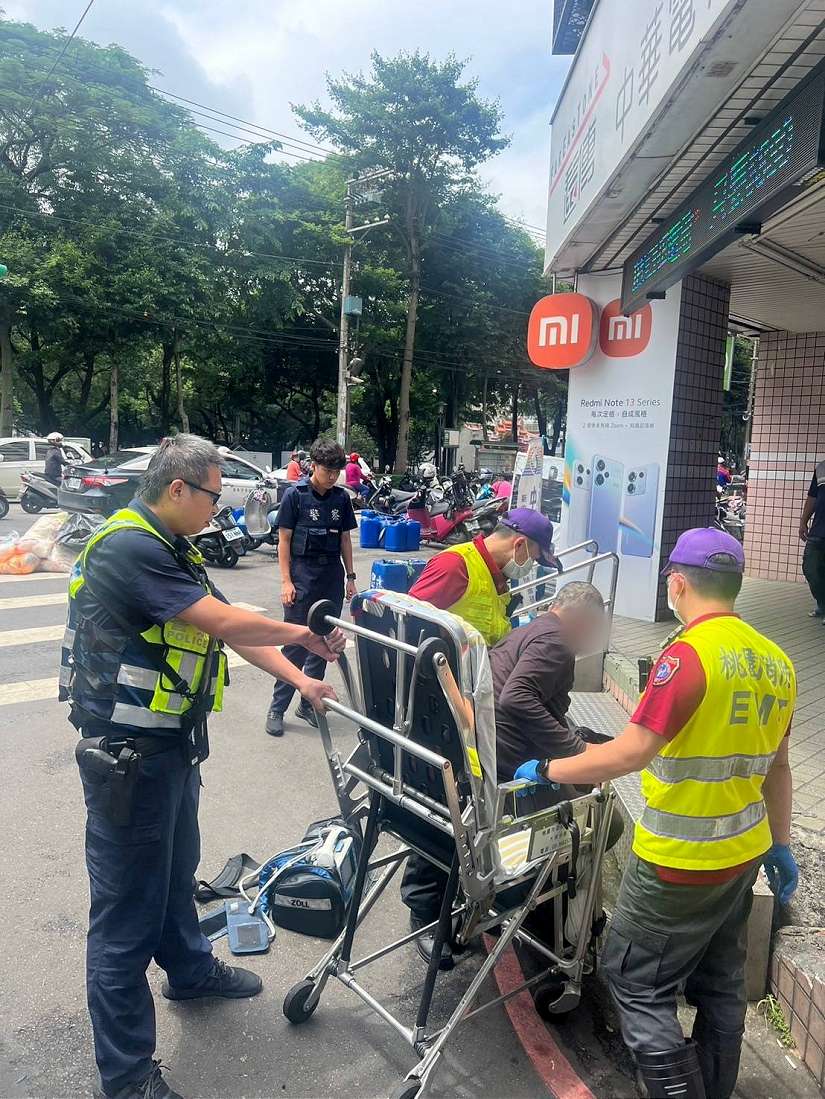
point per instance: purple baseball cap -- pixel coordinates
(707, 548)
(536, 527)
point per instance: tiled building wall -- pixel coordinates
(695, 427)
(787, 441)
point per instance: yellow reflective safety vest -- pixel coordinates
(145, 681)
(703, 792)
(481, 605)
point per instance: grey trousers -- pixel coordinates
(665, 939)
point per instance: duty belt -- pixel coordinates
(145, 746)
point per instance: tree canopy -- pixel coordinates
(201, 285)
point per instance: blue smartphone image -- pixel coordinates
(606, 503)
(641, 494)
(579, 492)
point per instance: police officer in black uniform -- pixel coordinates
(314, 523)
(141, 668)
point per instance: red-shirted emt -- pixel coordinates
(710, 736)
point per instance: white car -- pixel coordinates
(23, 454)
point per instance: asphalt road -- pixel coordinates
(259, 794)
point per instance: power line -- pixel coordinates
(48, 76)
(457, 297)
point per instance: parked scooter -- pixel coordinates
(222, 542)
(261, 514)
(38, 493)
(442, 520)
(4, 504)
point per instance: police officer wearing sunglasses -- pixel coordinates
(143, 665)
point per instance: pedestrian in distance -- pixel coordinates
(315, 518)
(142, 667)
(710, 736)
(812, 533)
(293, 469)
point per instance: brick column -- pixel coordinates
(696, 422)
(788, 440)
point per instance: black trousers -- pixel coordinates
(313, 580)
(813, 568)
(142, 908)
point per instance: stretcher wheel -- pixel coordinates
(407, 1089)
(317, 616)
(295, 1002)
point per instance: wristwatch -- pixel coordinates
(352, 576)
(542, 768)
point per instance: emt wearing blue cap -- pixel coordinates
(710, 736)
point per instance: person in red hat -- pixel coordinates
(710, 736)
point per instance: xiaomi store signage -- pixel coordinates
(618, 430)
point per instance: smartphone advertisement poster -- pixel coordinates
(618, 431)
(527, 477)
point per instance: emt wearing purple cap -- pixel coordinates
(471, 580)
(710, 737)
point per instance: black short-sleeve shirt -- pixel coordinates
(139, 576)
(289, 508)
(817, 490)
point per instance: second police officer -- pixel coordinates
(315, 518)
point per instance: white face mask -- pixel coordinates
(514, 571)
(672, 606)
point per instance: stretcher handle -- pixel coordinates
(322, 621)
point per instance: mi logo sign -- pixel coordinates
(562, 331)
(622, 337)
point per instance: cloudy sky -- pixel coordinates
(251, 58)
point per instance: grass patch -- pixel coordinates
(775, 1017)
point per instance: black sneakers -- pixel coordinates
(424, 945)
(224, 980)
(275, 723)
(306, 712)
(153, 1087)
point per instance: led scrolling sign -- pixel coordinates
(751, 183)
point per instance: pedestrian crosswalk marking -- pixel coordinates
(62, 577)
(30, 636)
(23, 602)
(40, 690)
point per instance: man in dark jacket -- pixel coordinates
(533, 669)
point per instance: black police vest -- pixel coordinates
(320, 522)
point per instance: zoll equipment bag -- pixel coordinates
(307, 888)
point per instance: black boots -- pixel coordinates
(719, 1052)
(674, 1074)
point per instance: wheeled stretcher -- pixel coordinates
(424, 772)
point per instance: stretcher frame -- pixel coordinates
(364, 789)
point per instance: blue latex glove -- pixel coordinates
(529, 772)
(782, 871)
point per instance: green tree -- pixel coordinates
(413, 116)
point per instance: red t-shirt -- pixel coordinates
(293, 471)
(673, 694)
(444, 579)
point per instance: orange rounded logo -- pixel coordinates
(562, 331)
(621, 337)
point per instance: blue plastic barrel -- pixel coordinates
(370, 532)
(412, 542)
(415, 566)
(395, 538)
(389, 575)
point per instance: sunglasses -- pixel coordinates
(215, 496)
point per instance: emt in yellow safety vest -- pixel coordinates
(142, 666)
(710, 735)
(471, 580)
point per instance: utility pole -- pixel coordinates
(343, 342)
(348, 304)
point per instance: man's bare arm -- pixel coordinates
(632, 750)
(808, 510)
(240, 627)
(777, 790)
